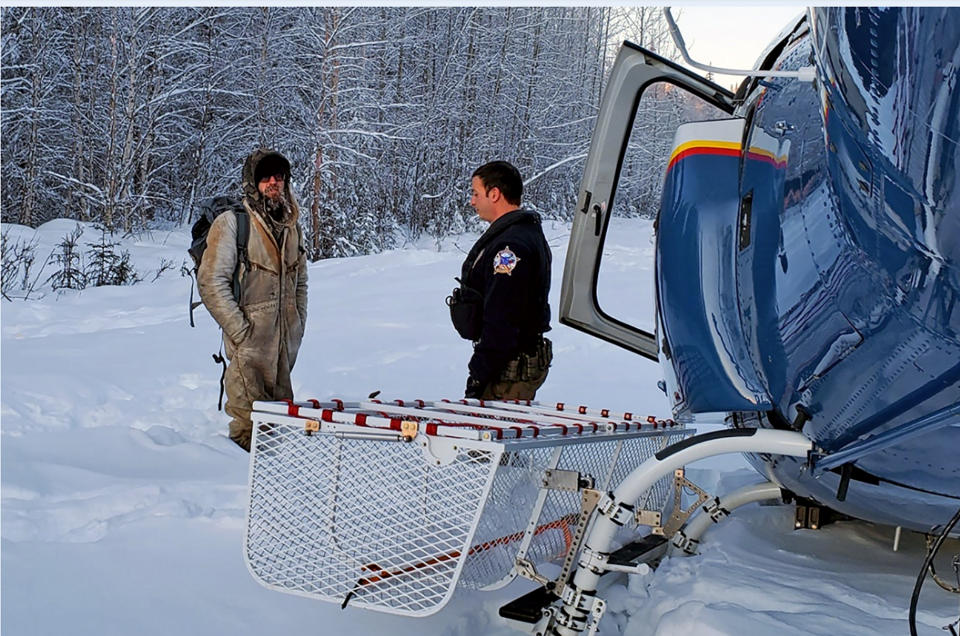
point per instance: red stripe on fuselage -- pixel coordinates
(704, 150)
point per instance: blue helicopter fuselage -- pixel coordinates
(808, 262)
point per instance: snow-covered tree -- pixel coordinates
(128, 116)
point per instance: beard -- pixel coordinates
(276, 206)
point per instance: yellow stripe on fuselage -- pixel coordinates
(703, 143)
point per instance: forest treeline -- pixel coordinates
(128, 116)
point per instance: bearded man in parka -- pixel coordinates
(263, 329)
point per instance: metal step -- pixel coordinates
(646, 550)
(529, 607)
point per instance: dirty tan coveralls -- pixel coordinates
(262, 332)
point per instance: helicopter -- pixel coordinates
(807, 259)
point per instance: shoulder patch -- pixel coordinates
(505, 261)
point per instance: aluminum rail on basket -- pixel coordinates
(561, 409)
(469, 418)
(579, 597)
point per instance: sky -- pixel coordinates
(731, 36)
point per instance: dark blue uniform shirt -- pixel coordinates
(510, 267)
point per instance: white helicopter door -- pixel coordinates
(635, 71)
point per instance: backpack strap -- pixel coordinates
(193, 304)
(219, 359)
(243, 237)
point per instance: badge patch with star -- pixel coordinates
(505, 261)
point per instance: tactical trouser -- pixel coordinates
(523, 375)
(247, 380)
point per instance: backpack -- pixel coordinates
(210, 209)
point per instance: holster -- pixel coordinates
(529, 365)
(466, 312)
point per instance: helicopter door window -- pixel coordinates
(621, 294)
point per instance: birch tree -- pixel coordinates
(128, 116)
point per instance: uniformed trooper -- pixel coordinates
(501, 304)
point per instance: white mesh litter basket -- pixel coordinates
(389, 507)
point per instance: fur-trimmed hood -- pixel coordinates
(251, 192)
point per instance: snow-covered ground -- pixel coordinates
(123, 501)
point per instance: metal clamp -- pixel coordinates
(589, 610)
(576, 598)
(596, 613)
(565, 480)
(528, 570)
(716, 512)
(685, 543)
(598, 563)
(573, 623)
(617, 511)
(594, 561)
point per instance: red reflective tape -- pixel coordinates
(395, 424)
(703, 150)
(292, 409)
(431, 428)
(360, 419)
(326, 415)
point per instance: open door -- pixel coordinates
(634, 71)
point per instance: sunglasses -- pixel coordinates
(277, 177)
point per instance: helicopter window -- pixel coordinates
(621, 294)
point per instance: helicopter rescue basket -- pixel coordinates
(390, 506)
